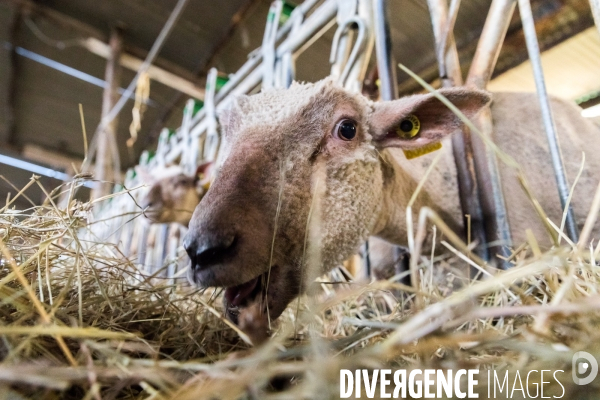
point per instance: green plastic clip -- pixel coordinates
(286, 12)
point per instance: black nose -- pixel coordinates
(208, 249)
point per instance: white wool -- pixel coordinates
(276, 105)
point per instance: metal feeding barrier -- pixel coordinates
(361, 26)
(157, 248)
(477, 165)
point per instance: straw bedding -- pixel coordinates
(79, 320)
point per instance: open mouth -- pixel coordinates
(241, 296)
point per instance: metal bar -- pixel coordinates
(358, 61)
(367, 259)
(156, 47)
(443, 21)
(595, 5)
(491, 196)
(269, 42)
(303, 8)
(318, 19)
(287, 61)
(211, 145)
(249, 75)
(388, 82)
(549, 126)
(448, 34)
(246, 75)
(462, 146)
(142, 245)
(172, 245)
(342, 39)
(386, 67)
(65, 69)
(246, 79)
(103, 169)
(31, 167)
(158, 74)
(490, 42)
(161, 249)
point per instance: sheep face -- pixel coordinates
(173, 195)
(301, 186)
(172, 199)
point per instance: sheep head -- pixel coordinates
(301, 186)
(174, 195)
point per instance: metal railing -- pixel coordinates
(197, 139)
(361, 27)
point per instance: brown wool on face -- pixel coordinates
(172, 200)
(294, 130)
(280, 141)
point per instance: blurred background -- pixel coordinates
(53, 57)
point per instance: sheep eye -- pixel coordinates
(346, 129)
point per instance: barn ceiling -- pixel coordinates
(45, 74)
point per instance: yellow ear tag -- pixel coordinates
(421, 151)
(408, 128)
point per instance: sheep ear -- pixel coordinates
(203, 176)
(422, 121)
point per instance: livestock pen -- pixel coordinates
(96, 302)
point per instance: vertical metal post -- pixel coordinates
(488, 176)
(443, 21)
(462, 147)
(103, 168)
(388, 87)
(386, 65)
(287, 62)
(171, 255)
(490, 42)
(268, 45)
(342, 39)
(189, 156)
(211, 145)
(595, 5)
(160, 249)
(142, 245)
(536, 63)
(366, 42)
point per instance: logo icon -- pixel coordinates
(584, 368)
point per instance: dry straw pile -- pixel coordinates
(79, 321)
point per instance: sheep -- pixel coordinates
(311, 171)
(174, 195)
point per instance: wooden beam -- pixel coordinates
(53, 159)
(178, 100)
(155, 73)
(103, 170)
(50, 158)
(163, 71)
